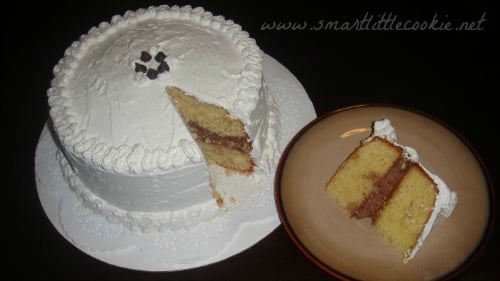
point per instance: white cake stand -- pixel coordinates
(210, 242)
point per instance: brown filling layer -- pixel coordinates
(241, 143)
(382, 190)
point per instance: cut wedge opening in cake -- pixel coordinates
(221, 137)
(385, 182)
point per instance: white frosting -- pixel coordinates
(384, 129)
(146, 222)
(120, 133)
(446, 198)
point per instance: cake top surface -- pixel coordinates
(108, 98)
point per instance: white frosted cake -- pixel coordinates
(126, 149)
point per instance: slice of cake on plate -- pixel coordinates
(384, 181)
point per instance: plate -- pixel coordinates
(210, 242)
(349, 248)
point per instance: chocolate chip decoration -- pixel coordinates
(148, 67)
(140, 68)
(152, 74)
(160, 57)
(163, 67)
(145, 56)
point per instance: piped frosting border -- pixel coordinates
(137, 159)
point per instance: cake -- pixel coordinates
(384, 181)
(143, 105)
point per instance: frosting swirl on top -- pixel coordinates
(119, 119)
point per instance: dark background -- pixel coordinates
(451, 75)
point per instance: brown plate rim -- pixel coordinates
(332, 271)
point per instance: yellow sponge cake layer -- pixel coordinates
(355, 178)
(226, 157)
(211, 117)
(404, 216)
(221, 137)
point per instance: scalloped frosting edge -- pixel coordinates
(145, 222)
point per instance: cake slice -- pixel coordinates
(384, 181)
(221, 137)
